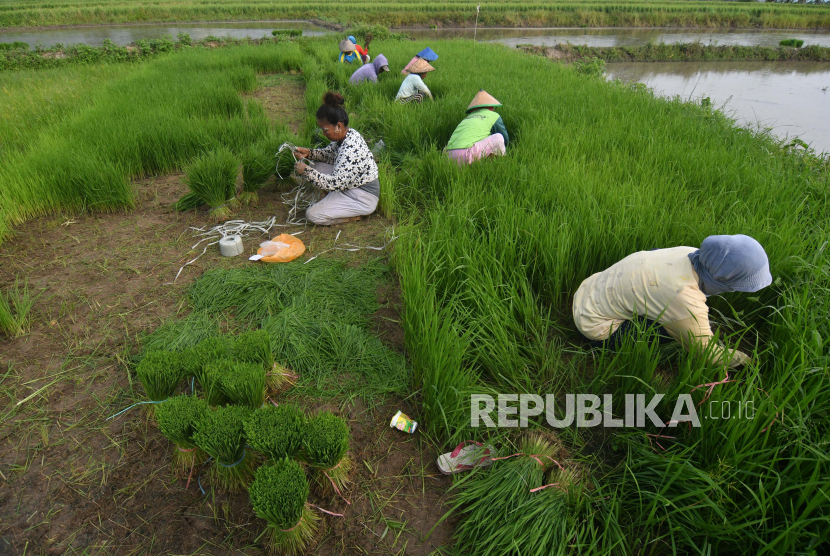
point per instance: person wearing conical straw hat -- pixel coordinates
(666, 290)
(426, 54)
(362, 51)
(413, 88)
(480, 134)
(347, 52)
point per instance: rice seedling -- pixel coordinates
(276, 432)
(196, 359)
(212, 380)
(278, 495)
(255, 347)
(325, 447)
(795, 43)
(160, 372)
(212, 178)
(221, 435)
(244, 383)
(257, 166)
(177, 419)
(15, 306)
(491, 500)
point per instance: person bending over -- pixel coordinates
(346, 168)
(670, 287)
(480, 134)
(370, 71)
(413, 88)
(348, 54)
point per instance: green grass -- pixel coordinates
(488, 258)
(537, 13)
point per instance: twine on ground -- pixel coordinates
(337, 490)
(132, 406)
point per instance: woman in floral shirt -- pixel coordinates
(347, 168)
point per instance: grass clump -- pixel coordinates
(213, 378)
(491, 499)
(15, 306)
(16, 45)
(278, 495)
(177, 419)
(795, 43)
(243, 383)
(221, 435)
(325, 445)
(212, 178)
(258, 164)
(160, 372)
(287, 32)
(276, 432)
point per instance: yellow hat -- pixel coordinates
(420, 66)
(483, 100)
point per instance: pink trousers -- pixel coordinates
(493, 145)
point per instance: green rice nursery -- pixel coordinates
(488, 258)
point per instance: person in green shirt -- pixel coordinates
(480, 134)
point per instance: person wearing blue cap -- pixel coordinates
(667, 288)
(347, 53)
(426, 54)
(362, 51)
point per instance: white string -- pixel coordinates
(303, 195)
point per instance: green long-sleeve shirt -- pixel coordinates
(498, 127)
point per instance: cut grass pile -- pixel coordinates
(512, 13)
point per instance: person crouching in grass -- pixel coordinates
(667, 289)
(413, 88)
(480, 134)
(346, 168)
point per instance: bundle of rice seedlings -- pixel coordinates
(160, 372)
(489, 499)
(255, 347)
(188, 201)
(195, 360)
(244, 384)
(213, 381)
(258, 164)
(276, 432)
(212, 177)
(278, 495)
(221, 434)
(325, 443)
(177, 419)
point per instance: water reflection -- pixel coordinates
(793, 98)
(126, 34)
(626, 37)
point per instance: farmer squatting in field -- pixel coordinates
(347, 52)
(413, 88)
(347, 170)
(480, 134)
(670, 287)
(370, 71)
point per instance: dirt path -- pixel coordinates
(74, 483)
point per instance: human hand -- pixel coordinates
(302, 152)
(299, 167)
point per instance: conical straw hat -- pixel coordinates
(483, 99)
(346, 46)
(420, 66)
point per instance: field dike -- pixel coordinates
(487, 259)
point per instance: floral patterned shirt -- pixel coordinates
(354, 165)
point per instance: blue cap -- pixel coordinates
(428, 55)
(351, 38)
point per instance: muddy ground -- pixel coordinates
(73, 482)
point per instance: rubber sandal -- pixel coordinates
(465, 457)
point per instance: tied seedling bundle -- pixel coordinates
(491, 500)
(213, 381)
(258, 164)
(160, 372)
(195, 360)
(278, 495)
(276, 432)
(177, 419)
(221, 434)
(212, 181)
(255, 347)
(243, 383)
(326, 443)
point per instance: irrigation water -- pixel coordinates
(790, 98)
(126, 34)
